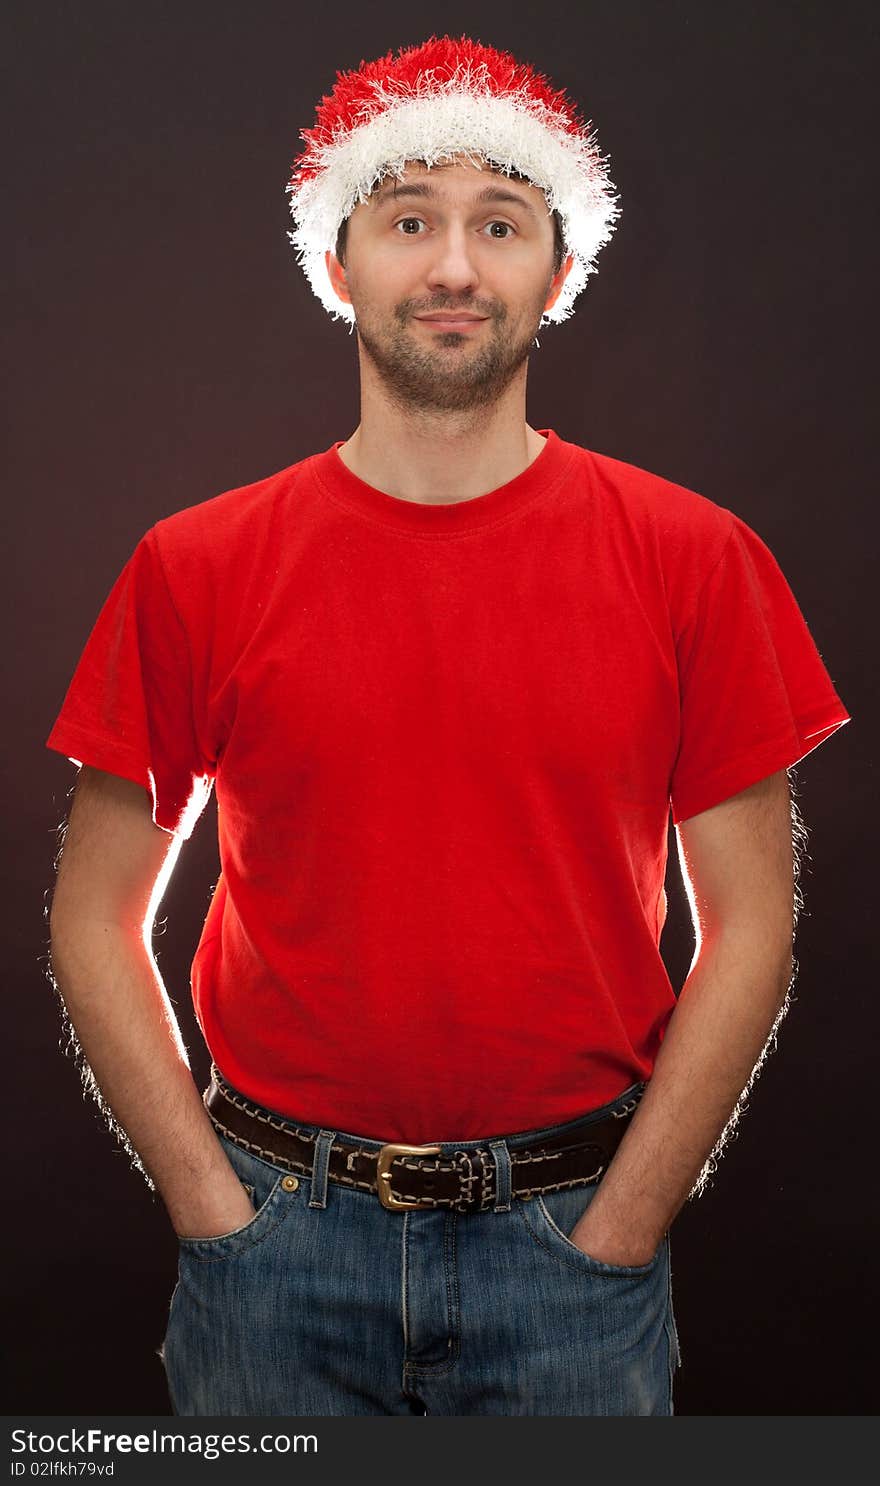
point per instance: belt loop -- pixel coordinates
(323, 1143)
(502, 1175)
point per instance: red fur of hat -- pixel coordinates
(353, 98)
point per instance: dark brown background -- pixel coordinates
(165, 347)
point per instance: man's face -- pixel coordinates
(429, 245)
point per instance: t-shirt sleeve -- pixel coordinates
(754, 693)
(129, 709)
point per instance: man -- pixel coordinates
(448, 677)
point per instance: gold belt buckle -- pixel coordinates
(383, 1173)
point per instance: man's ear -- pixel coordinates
(557, 282)
(336, 275)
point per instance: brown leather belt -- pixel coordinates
(405, 1176)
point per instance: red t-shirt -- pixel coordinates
(445, 740)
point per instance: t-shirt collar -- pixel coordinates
(438, 519)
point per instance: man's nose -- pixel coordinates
(453, 266)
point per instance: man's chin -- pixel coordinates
(444, 376)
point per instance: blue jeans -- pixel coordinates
(327, 1303)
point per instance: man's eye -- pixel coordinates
(403, 221)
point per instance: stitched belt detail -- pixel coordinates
(464, 1181)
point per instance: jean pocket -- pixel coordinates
(271, 1190)
(551, 1216)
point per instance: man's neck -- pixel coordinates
(438, 463)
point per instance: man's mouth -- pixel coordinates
(452, 322)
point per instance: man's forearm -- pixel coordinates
(126, 1027)
(714, 1038)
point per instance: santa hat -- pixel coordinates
(431, 102)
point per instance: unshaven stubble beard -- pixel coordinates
(450, 376)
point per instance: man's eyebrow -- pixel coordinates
(422, 191)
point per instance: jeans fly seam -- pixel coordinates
(452, 1291)
(404, 1299)
(453, 1310)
